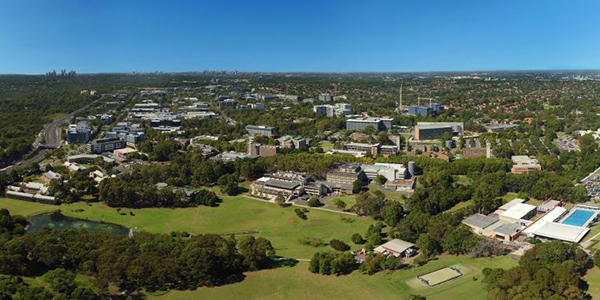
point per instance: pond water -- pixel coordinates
(58, 221)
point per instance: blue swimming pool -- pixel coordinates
(579, 217)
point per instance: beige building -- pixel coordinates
(346, 174)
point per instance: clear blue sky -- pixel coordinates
(326, 36)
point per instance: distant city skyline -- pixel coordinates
(301, 36)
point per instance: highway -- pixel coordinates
(52, 134)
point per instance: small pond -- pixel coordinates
(58, 221)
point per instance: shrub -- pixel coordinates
(300, 214)
(339, 245)
(315, 242)
(339, 203)
(358, 239)
(314, 202)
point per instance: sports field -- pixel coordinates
(440, 276)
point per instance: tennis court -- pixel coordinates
(579, 217)
(440, 276)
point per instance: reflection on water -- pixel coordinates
(58, 221)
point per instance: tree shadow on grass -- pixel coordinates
(283, 262)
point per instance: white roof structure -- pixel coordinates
(517, 211)
(546, 227)
(562, 232)
(395, 247)
(355, 153)
(550, 217)
(509, 204)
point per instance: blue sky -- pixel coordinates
(323, 36)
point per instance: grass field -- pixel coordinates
(25, 208)
(234, 215)
(594, 229)
(593, 279)
(283, 228)
(459, 206)
(326, 145)
(509, 197)
(388, 194)
(350, 200)
(298, 283)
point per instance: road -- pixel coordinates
(52, 134)
(227, 119)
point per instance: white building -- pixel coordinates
(391, 172)
(517, 212)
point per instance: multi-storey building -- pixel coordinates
(436, 130)
(260, 130)
(347, 174)
(106, 144)
(338, 109)
(362, 123)
(79, 133)
(262, 150)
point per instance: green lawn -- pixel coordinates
(326, 145)
(509, 197)
(350, 200)
(593, 279)
(388, 194)
(25, 208)
(462, 179)
(234, 215)
(458, 206)
(297, 283)
(594, 229)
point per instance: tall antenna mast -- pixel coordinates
(400, 98)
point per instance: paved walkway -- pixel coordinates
(587, 243)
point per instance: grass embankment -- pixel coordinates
(234, 215)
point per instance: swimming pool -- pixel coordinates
(579, 217)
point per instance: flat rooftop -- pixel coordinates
(562, 232)
(518, 211)
(479, 221)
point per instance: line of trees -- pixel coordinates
(144, 262)
(548, 271)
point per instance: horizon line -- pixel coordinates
(312, 72)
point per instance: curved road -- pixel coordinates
(52, 134)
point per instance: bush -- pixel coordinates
(358, 239)
(315, 242)
(327, 263)
(314, 202)
(380, 179)
(339, 203)
(300, 214)
(339, 245)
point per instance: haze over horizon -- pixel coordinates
(308, 36)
